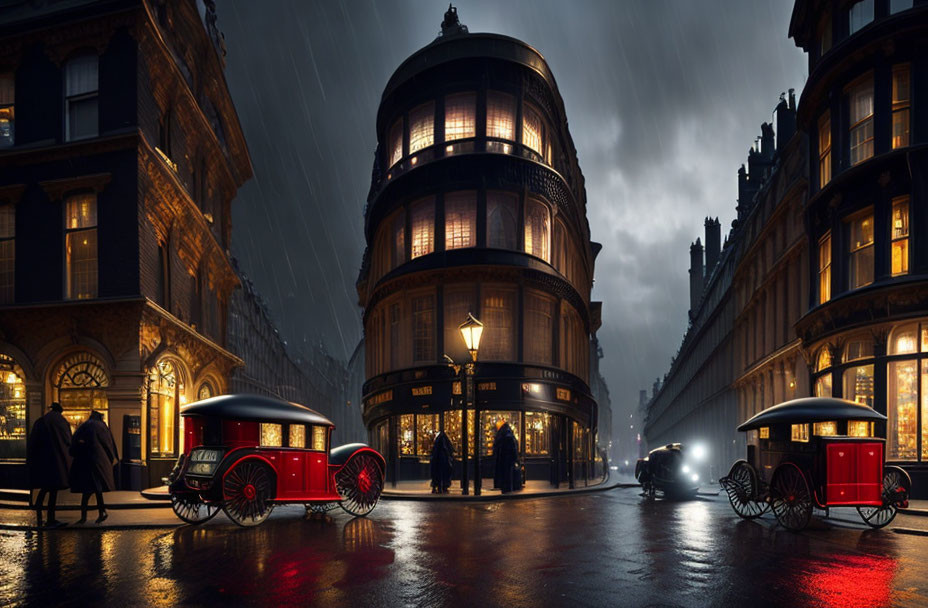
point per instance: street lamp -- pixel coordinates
(471, 330)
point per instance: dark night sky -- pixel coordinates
(663, 99)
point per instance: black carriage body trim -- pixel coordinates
(255, 408)
(340, 455)
(812, 409)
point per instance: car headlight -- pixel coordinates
(695, 477)
(686, 468)
(699, 452)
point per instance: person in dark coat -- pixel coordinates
(506, 449)
(441, 463)
(47, 460)
(94, 452)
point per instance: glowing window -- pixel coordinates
(81, 246)
(904, 340)
(858, 384)
(860, 347)
(901, 102)
(900, 236)
(271, 435)
(421, 127)
(426, 430)
(825, 429)
(396, 142)
(861, 251)
(407, 435)
(538, 230)
(823, 361)
(319, 438)
(824, 150)
(12, 409)
(297, 436)
(861, 121)
(460, 112)
(537, 429)
(824, 269)
(764, 432)
(7, 98)
(501, 115)
(460, 220)
(423, 228)
(453, 429)
(502, 223)
(489, 423)
(859, 428)
(902, 410)
(533, 130)
(823, 386)
(800, 432)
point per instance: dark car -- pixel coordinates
(671, 470)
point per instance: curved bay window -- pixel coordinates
(421, 127)
(460, 220)
(501, 121)
(453, 428)
(907, 386)
(533, 130)
(860, 100)
(79, 385)
(858, 380)
(488, 428)
(537, 229)
(502, 220)
(165, 395)
(460, 116)
(426, 430)
(422, 222)
(823, 382)
(12, 409)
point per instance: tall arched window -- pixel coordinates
(823, 382)
(206, 391)
(537, 229)
(502, 223)
(81, 97)
(165, 396)
(12, 409)
(79, 385)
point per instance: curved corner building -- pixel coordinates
(477, 204)
(864, 106)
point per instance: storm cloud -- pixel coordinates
(663, 98)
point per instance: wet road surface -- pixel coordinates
(605, 549)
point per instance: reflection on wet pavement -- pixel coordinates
(612, 548)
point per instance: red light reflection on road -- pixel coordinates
(849, 580)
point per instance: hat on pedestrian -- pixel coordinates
(55, 406)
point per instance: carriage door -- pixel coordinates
(293, 465)
(317, 461)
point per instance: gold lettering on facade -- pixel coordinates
(487, 386)
(563, 394)
(421, 391)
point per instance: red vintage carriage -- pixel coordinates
(816, 452)
(245, 454)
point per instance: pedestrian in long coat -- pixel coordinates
(506, 449)
(48, 459)
(441, 463)
(94, 452)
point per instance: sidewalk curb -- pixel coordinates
(387, 495)
(92, 528)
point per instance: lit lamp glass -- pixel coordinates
(471, 330)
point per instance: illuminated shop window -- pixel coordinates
(460, 113)
(799, 432)
(539, 328)
(859, 15)
(488, 424)
(7, 107)
(902, 410)
(904, 340)
(407, 435)
(80, 386)
(165, 394)
(533, 130)
(271, 435)
(81, 97)
(426, 430)
(423, 227)
(12, 409)
(421, 127)
(297, 437)
(502, 222)
(823, 386)
(498, 316)
(396, 142)
(537, 229)
(825, 429)
(458, 301)
(824, 269)
(7, 253)
(900, 240)
(924, 421)
(423, 317)
(537, 428)
(319, 438)
(859, 428)
(453, 429)
(861, 251)
(581, 442)
(824, 150)
(861, 121)
(901, 102)
(858, 384)
(501, 115)
(763, 432)
(81, 246)
(460, 220)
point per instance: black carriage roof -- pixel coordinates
(812, 409)
(255, 407)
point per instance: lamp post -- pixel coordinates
(471, 330)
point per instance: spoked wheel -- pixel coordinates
(359, 483)
(790, 497)
(191, 509)
(896, 487)
(247, 492)
(742, 487)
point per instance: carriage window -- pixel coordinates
(271, 435)
(319, 438)
(800, 432)
(764, 432)
(297, 436)
(825, 429)
(859, 428)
